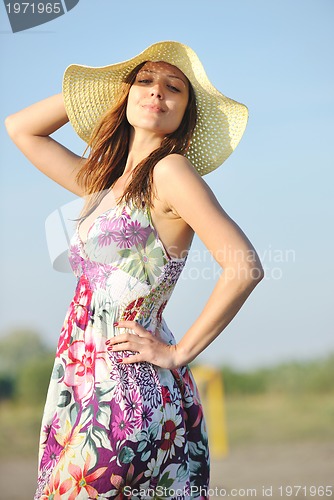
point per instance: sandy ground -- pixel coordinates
(247, 472)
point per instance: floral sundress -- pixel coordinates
(114, 431)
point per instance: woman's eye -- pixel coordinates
(148, 81)
(174, 89)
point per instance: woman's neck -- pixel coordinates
(141, 145)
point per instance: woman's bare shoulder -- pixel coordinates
(174, 160)
(174, 168)
(178, 183)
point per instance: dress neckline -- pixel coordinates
(84, 242)
(121, 206)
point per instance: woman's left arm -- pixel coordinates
(188, 195)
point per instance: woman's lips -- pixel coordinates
(153, 108)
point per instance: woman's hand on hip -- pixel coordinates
(145, 345)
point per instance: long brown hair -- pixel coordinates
(110, 146)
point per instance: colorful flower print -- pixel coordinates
(82, 479)
(165, 395)
(132, 309)
(144, 417)
(133, 404)
(66, 332)
(81, 303)
(172, 435)
(88, 366)
(146, 263)
(122, 425)
(69, 438)
(137, 234)
(109, 425)
(51, 454)
(98, 274)
(54, 490)
(75, 258)
(120, 482)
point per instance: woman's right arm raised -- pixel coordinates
(30, 130)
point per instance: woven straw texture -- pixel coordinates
(89, 92)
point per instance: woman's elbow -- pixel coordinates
(248, 276)
(16, 131)
(255, 274)
(10, 124)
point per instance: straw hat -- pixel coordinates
(89, 92)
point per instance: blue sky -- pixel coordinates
(276, 57)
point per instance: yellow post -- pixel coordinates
(210, 385)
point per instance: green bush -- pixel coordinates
(293, 378)
(6, 387)
(302, 377)
(33, 380)
(242, 382)
(18, 347)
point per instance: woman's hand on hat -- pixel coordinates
(145, 345)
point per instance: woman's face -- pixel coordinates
(158, 98)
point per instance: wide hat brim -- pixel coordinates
(89, 91)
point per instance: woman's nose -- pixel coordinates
(156, 91)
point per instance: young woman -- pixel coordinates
(123, 418)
